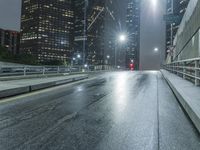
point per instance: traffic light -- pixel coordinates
(132, 66)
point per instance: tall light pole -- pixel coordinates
(122, 39)
(156, 50)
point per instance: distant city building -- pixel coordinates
(79, 7)
(174, 13)
(10, 40)
(133, 29)
(102, 28)
(95, 32)
(63, 30)
(112, 29)
(47, 29)
(100, 31)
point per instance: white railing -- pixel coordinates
(188, 69)
(44, 70)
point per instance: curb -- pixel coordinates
(31, 88)
(193, 115)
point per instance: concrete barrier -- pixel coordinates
(187, 94)
(14, 91)
(39, 86)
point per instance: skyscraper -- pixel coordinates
(174, 13)
(10, 40)
(100, 29)
(133, 29)
(95, 32)
(47, 29)
(80, 34)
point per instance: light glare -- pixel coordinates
(122, 38)
(156, 49)
(154, 3)
(78, 56)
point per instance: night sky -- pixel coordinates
(152, 27)
(10, 11)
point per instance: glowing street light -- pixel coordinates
(78, 56)
(85, 65)
(154, 3)
(156, 49)
(108, 56)
(122, 37)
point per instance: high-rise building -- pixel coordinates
(47, 29)
(133, 29)
(95, 32)
(112, 29)
(10, 40)
(80, 38)
(175, 10)
(99, 32)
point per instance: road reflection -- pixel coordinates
(120, 95)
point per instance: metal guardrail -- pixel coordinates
(44, 70)
(188, 69)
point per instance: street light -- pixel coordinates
(156, 49)
(85, 65)
(122, 38)
(154, 3)
(78, 56)
(107, 60)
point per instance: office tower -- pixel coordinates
(80, 34)
(133, 29)
(10, 40)
(47, 29)
(95, 32)
(99, 34)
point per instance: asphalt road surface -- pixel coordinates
(113, 111)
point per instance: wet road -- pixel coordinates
(114, 111)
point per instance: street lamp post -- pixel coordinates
(72, 61)
(122, 39)
(156, 50)
(107, 60)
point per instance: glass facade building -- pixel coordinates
(95, 26)
(133, 29)
(79, 20)
(10, 40)
(47, 28)
(63, 29)
(100, 30)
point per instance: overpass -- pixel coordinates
(112, 110)
(100, 108)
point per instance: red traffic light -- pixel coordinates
(132, 66)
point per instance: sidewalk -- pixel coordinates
(16, 87)
(188, 95)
